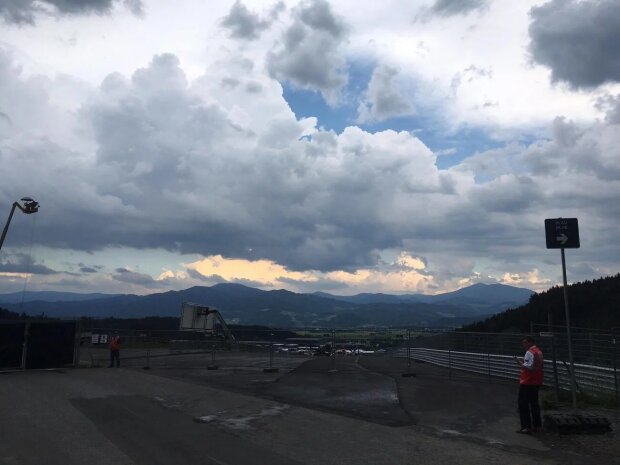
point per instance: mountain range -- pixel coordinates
(51, 296)
(280, 308)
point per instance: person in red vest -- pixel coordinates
(115, 350)
(530, 380)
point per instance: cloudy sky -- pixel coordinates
(342, 146)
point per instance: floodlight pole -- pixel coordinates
(30, 206)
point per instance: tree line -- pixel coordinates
(593, 304)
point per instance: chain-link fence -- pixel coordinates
(596, 353)
(259, 347)
(589, 347)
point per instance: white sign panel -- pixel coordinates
(196, 317)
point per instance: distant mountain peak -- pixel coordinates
(282, 308)
(229, 285)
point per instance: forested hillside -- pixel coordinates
(593, 304)
(9, 315)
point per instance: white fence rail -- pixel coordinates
(588, 377)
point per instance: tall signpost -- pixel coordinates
(563, 233)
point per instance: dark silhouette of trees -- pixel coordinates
(9, 315)
(593, 304)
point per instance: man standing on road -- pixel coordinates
(530, 380)
(115, 349)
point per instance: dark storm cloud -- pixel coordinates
(165, 164)
(214, 278)
(81, 6)
(384, 98)
(242, 23)
(309, 55)
(17, 12)
(25, 11)
(318, 16)
(447, 8)
(22, 263)
(577, 40)
(509, 195)
(325, 285)
(209, 280)
(173, 169)
(131, 277)
(611, 106)
(90, 268)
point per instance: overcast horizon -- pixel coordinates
(343, 147)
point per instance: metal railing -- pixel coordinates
(589, 377)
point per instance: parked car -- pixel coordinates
(323, 350)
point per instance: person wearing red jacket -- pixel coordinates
(115, 349)
(530, 380)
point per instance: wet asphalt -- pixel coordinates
(372, 388)
(313, 410)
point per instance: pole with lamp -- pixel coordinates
(29, 206)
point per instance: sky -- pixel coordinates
(336, 146)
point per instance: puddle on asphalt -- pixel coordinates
(378, 396)
(242, 423)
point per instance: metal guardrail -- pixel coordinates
(589, 377)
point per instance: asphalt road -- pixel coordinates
(178, 412)
(152, 435)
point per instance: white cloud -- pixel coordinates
(511, 94)
(530, 279)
